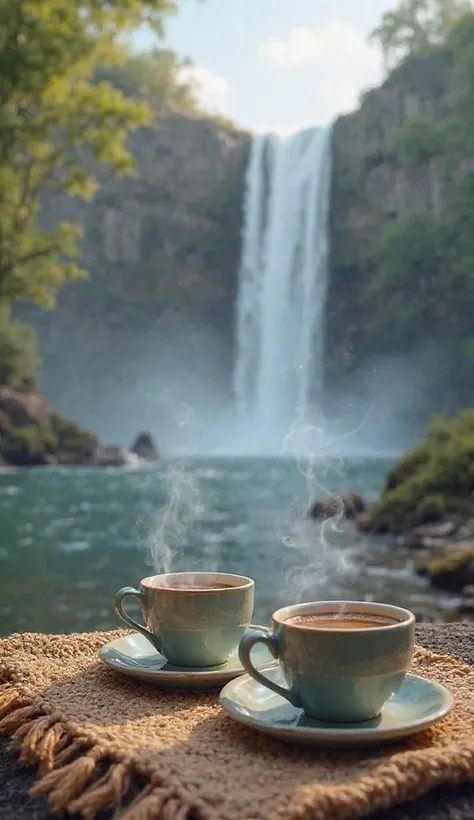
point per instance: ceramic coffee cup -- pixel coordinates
(344, 674)
(192, 618)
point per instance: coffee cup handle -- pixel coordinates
(252, 637)
(127, 592)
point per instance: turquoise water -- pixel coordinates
(71, 538)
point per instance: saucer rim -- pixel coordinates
(346, 733)
(205, 672)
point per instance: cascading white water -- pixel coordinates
(282, 284)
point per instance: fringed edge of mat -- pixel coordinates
(398, 783)
(79, 777)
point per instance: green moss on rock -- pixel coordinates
(433, 482)
(73, 442)
(408, 465)
(29, 446)
(451, 571)
(30, 435)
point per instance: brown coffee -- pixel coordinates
(340, 621)
(200, 585)
(191, 585)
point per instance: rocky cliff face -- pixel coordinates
(155, 317)
(369, 190)
(162, 251)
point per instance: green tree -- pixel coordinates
(409, 276)
(461, 42)
(53, 116)
(156, 76)
(416, 26)
(424, 270)
(424, 265)
(418, 140)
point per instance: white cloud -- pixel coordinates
(336, 41)
(325, 68)
(211, 90)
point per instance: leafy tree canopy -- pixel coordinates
(416, 26)
(53, 112)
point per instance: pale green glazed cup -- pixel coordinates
(344, 676)
(192, 625)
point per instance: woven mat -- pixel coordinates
(103, 741)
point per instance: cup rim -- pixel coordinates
(404, 617)
(244, 582)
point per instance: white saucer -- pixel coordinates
(133, 655)
(418, 704)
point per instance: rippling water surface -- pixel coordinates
(69, 539)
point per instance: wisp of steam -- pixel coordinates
(171, 525)
(318, 558)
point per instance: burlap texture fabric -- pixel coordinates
(103, 741)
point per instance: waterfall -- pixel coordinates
(282, 285)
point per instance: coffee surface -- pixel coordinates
(339, 621)
(191, 585)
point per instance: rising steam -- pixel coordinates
(315, 545)
(174, 520)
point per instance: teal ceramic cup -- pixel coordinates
(343, 675)
(192, 618)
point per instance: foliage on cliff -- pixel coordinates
(434, 481)
(51, 112)
(423, 264)
(18, 354)
(165, 81)
(416, 26)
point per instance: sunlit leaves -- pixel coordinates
(53, 113)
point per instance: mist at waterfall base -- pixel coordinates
(181, 393)
(275, 401)
(200, 394)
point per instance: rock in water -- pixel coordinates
(145, 447)
(349, 505)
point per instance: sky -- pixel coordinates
(278, 65)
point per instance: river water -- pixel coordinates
(71, 538)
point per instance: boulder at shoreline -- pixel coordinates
(344, 505)
(145, 447)
(432, 484)
(31, 435)
(453, 570)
